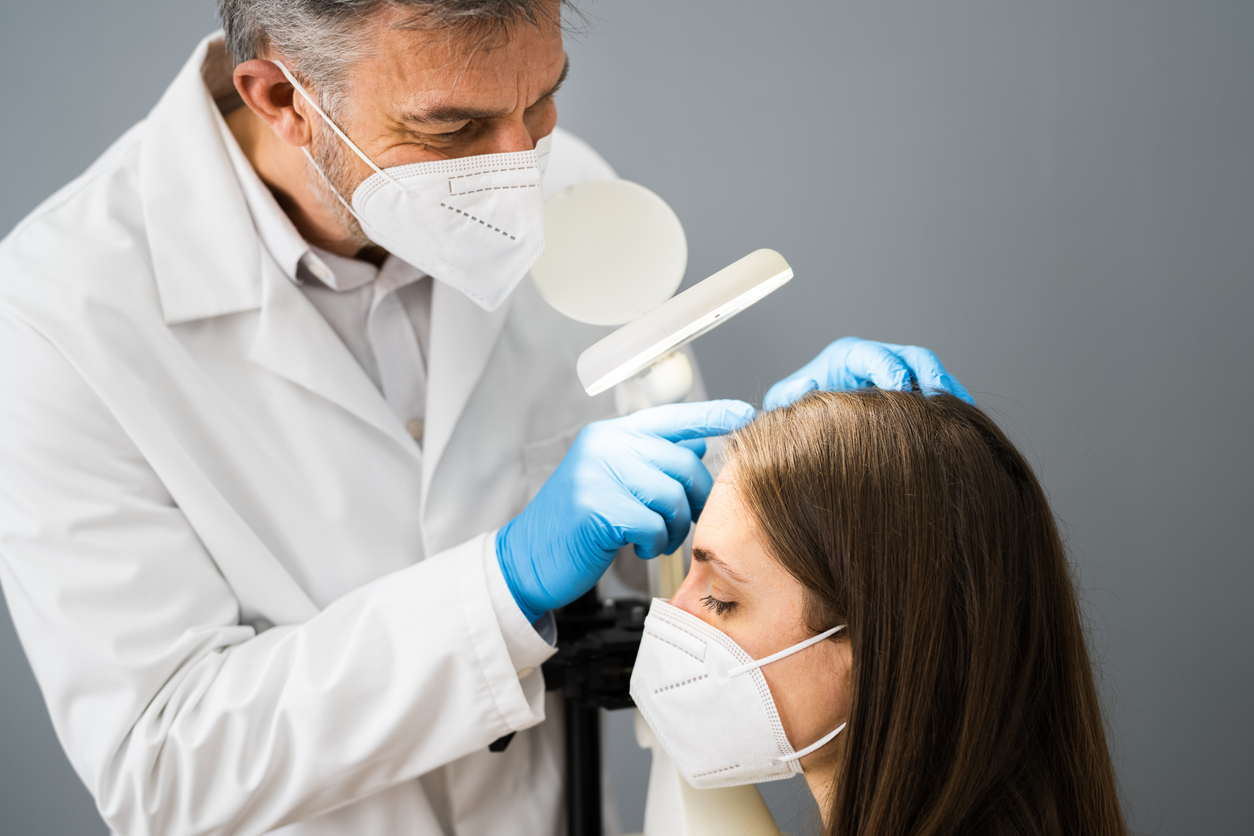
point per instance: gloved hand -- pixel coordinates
(626, 480)
(851, 363)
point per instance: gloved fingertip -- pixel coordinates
(696, 445)
(904, 381)
(742, 411)
(788, 392)
(775, 396)
(735, 414)
(957, 389)
(682, 538)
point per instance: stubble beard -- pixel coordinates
(337, 163)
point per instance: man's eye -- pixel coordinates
(717, 606)
(541, 104)
(450, 135)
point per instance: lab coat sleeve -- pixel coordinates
(182, 720)
(528, 645)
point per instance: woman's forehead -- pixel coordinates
(729, 538)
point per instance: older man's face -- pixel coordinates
(433, 95)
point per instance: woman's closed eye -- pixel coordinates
(718, 607)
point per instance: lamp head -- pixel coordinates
(615, 253)
(612, 250)
(680, 320)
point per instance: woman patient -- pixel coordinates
(879, 598)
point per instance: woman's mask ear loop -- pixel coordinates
(300, 88)
(815, 746)
(788, 651)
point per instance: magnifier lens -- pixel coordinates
(613, 250)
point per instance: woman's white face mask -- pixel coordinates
(474, 223)
(709, 705)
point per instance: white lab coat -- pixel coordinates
(211, 523)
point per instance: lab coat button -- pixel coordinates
(319, 268)
(414, 427)
(526, 672)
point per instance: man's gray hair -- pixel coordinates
(323, 38)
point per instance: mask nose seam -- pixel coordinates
(491, 189)
(491, 171)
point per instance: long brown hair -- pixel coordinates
(915, 521)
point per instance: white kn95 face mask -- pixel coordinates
(709, 705)
(473, 223)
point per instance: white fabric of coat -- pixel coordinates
(251, 600)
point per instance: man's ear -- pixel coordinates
(269, 94)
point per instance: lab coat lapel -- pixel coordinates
(462, 338)
(209, 261)
(295, 342)
(201, 238)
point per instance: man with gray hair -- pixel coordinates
(294, 467)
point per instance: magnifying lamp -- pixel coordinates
(615, 253)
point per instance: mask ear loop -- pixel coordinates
(813, 747)
(331, 185)
(787, 651)
(300, 88)
(775, 657)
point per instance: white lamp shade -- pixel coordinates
(613, 250)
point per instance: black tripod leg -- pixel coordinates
(583, 770)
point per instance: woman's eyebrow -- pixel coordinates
(706, 556)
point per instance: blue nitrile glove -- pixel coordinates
(851, 363)
(626, 480)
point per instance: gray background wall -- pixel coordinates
(1056, 197)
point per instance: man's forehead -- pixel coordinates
(474, 100)
(426, 69)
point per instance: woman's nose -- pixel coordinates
(688, 596)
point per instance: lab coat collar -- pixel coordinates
(205, 251)
(208, 257)
(275, 229)
(209, 261)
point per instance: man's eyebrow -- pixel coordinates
(560, 80)
(706, 556)
(444, 113)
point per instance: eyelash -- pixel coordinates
(451, 135)
(717, 606)
(464, 129)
